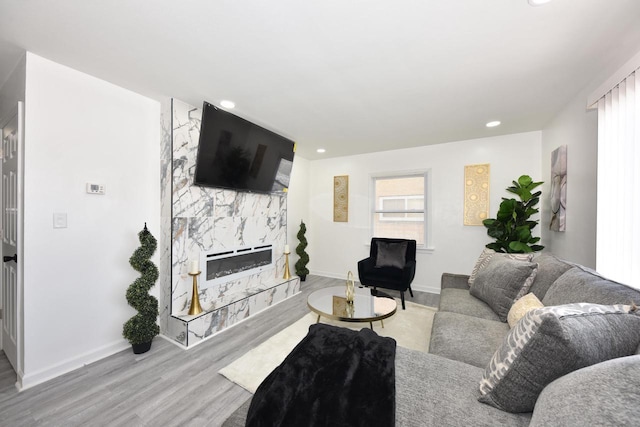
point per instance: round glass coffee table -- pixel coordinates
(332, 304)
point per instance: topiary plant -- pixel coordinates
(301, 264)
(141, 328)
(512, 227)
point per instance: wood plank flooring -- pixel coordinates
(167, 386)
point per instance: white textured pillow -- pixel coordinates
(519, 308)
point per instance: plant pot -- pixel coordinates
(141, 348)
(303, 277)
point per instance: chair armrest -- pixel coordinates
(366, 264)
(458, 281)
(409, 272)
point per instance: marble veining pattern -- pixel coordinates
(203, 219)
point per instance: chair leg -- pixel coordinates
(410, 291)
(402, 298)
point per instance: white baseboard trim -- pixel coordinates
(29, 380)
(415, 286)
(426, 288)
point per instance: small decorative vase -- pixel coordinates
(350, 291)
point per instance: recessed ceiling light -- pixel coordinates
(493, 124)
(227, 104)
(538, 2)
(321, 150)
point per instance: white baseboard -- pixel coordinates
(29, 380)
(415, 286)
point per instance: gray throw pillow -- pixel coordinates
(550, 342)
(501, 282)
(391, 254)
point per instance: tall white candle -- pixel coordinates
(286, 249)
(195, 267)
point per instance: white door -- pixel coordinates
(11, 200)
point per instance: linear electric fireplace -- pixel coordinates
(227, 265)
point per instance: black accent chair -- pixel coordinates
(389, 266)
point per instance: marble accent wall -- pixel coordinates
(204, 219)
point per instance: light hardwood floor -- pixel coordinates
(167, 386)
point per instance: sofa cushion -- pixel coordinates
(550, 342)
(461, 301)
(606, 394)
(433, 391)
(485, 257)
(549, 269)
(580, 284)
(521, 307)
(465, 338)
(501, 282)
(391, 254)
(481, 263)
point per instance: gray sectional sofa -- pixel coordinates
(468, 340)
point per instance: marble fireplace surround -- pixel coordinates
(197, 220)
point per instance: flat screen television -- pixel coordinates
(236, 154)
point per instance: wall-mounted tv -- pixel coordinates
(237, 154)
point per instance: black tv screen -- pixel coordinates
(237, 154)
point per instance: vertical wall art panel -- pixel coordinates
(341, 198)
(558, 188)
(476, 194)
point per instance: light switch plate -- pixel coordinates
(59, 220)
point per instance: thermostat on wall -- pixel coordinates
(95, 188)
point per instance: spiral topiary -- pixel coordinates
(142, 327)
(301, 264)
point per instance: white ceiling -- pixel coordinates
(352, 76)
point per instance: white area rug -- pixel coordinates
(411, 328)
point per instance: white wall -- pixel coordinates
(81, 129)
(335, 248)
(576, 127)
(297, 206)
(11, 92)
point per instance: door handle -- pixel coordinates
(10, 258)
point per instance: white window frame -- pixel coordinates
(381, 211)
(426, 173)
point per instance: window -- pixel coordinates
(618, 233)
(399, 208)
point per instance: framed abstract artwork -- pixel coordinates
(476, 194)
(558, 189)
(341, 198)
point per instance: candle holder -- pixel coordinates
(287, 273)
(195, 307)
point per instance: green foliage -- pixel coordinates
(142, 327)
(301, 264)
(512, 227)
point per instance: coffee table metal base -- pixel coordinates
(366, 308)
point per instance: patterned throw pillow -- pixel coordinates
(521, 307)
(503, 281)
(481, 263)
(550, 342)
(485, 258)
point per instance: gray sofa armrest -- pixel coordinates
(457, 281)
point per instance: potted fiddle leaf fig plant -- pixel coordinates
(512, 226)
(301, 264)
(142, 328)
